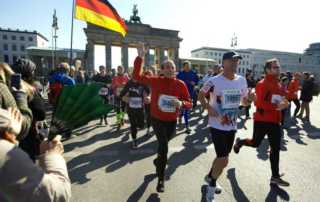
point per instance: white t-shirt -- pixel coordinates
(225, 99)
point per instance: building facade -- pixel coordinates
(42, 57)
(13, 43)
(217, 53)
(254, 59)
(290, 62)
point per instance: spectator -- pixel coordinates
(31, 143)
(22, 180)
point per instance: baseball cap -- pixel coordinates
(230, 55)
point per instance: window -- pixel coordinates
(13, 37)
(21, 38)
(247, 63)
(14, 47)
(215, 54)
(299, 60)
(30, 38)
(6, 58)
(219, 61)
(14, 58)
(22, 48)
(5, 47)
(4, 37)
(211, 53)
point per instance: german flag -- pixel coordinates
(100, 13)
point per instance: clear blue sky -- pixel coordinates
(287, 25)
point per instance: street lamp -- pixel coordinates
(54, 37)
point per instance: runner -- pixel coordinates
(133, 93)
(269, 103)
(293, 88)
(104, 78)
(228, 91)
(168, 95)
(190, 78)
(147, 103)
(118, 82)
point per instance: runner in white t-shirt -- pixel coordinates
(229, 90)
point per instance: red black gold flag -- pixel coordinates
(100, 13)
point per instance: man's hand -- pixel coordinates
(147, 100)
(282, 105)
(177, 103)
(54, 146)
(141, 50)
(192, 83)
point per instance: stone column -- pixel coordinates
(162, 57)
(147, 59)
(108, 46)
(90, 56)
(176, 57)
(124, 56)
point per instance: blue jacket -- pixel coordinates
(187, 77)
(64, 79)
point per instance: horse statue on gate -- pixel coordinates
(135, 18)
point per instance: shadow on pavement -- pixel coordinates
(236, 190)
(189, 152)
(110, 134)
(136, 195)
(276, 191)
(153, 198)
(113, 156)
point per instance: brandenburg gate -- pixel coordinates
(165, 43)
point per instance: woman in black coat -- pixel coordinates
(30, 144)
(306, 95)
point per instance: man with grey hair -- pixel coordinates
(168, 95)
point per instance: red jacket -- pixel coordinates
(118, 83)
(162, 87)
(266, 110)
(293, 89)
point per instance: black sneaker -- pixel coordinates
(217, 189)
(236, 147)
(105, 122)
(278, 181)
(160, 186)
(188, 131)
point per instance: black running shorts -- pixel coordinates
(222, 141)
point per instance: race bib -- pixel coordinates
(165, 103)
(231, 99)
(135, 102)
(276, 99)
(103, 91)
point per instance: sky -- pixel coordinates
(284, 25)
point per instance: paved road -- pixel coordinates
(103, 168)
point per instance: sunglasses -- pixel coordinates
(275, 67)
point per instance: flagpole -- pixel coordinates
(70, 61)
